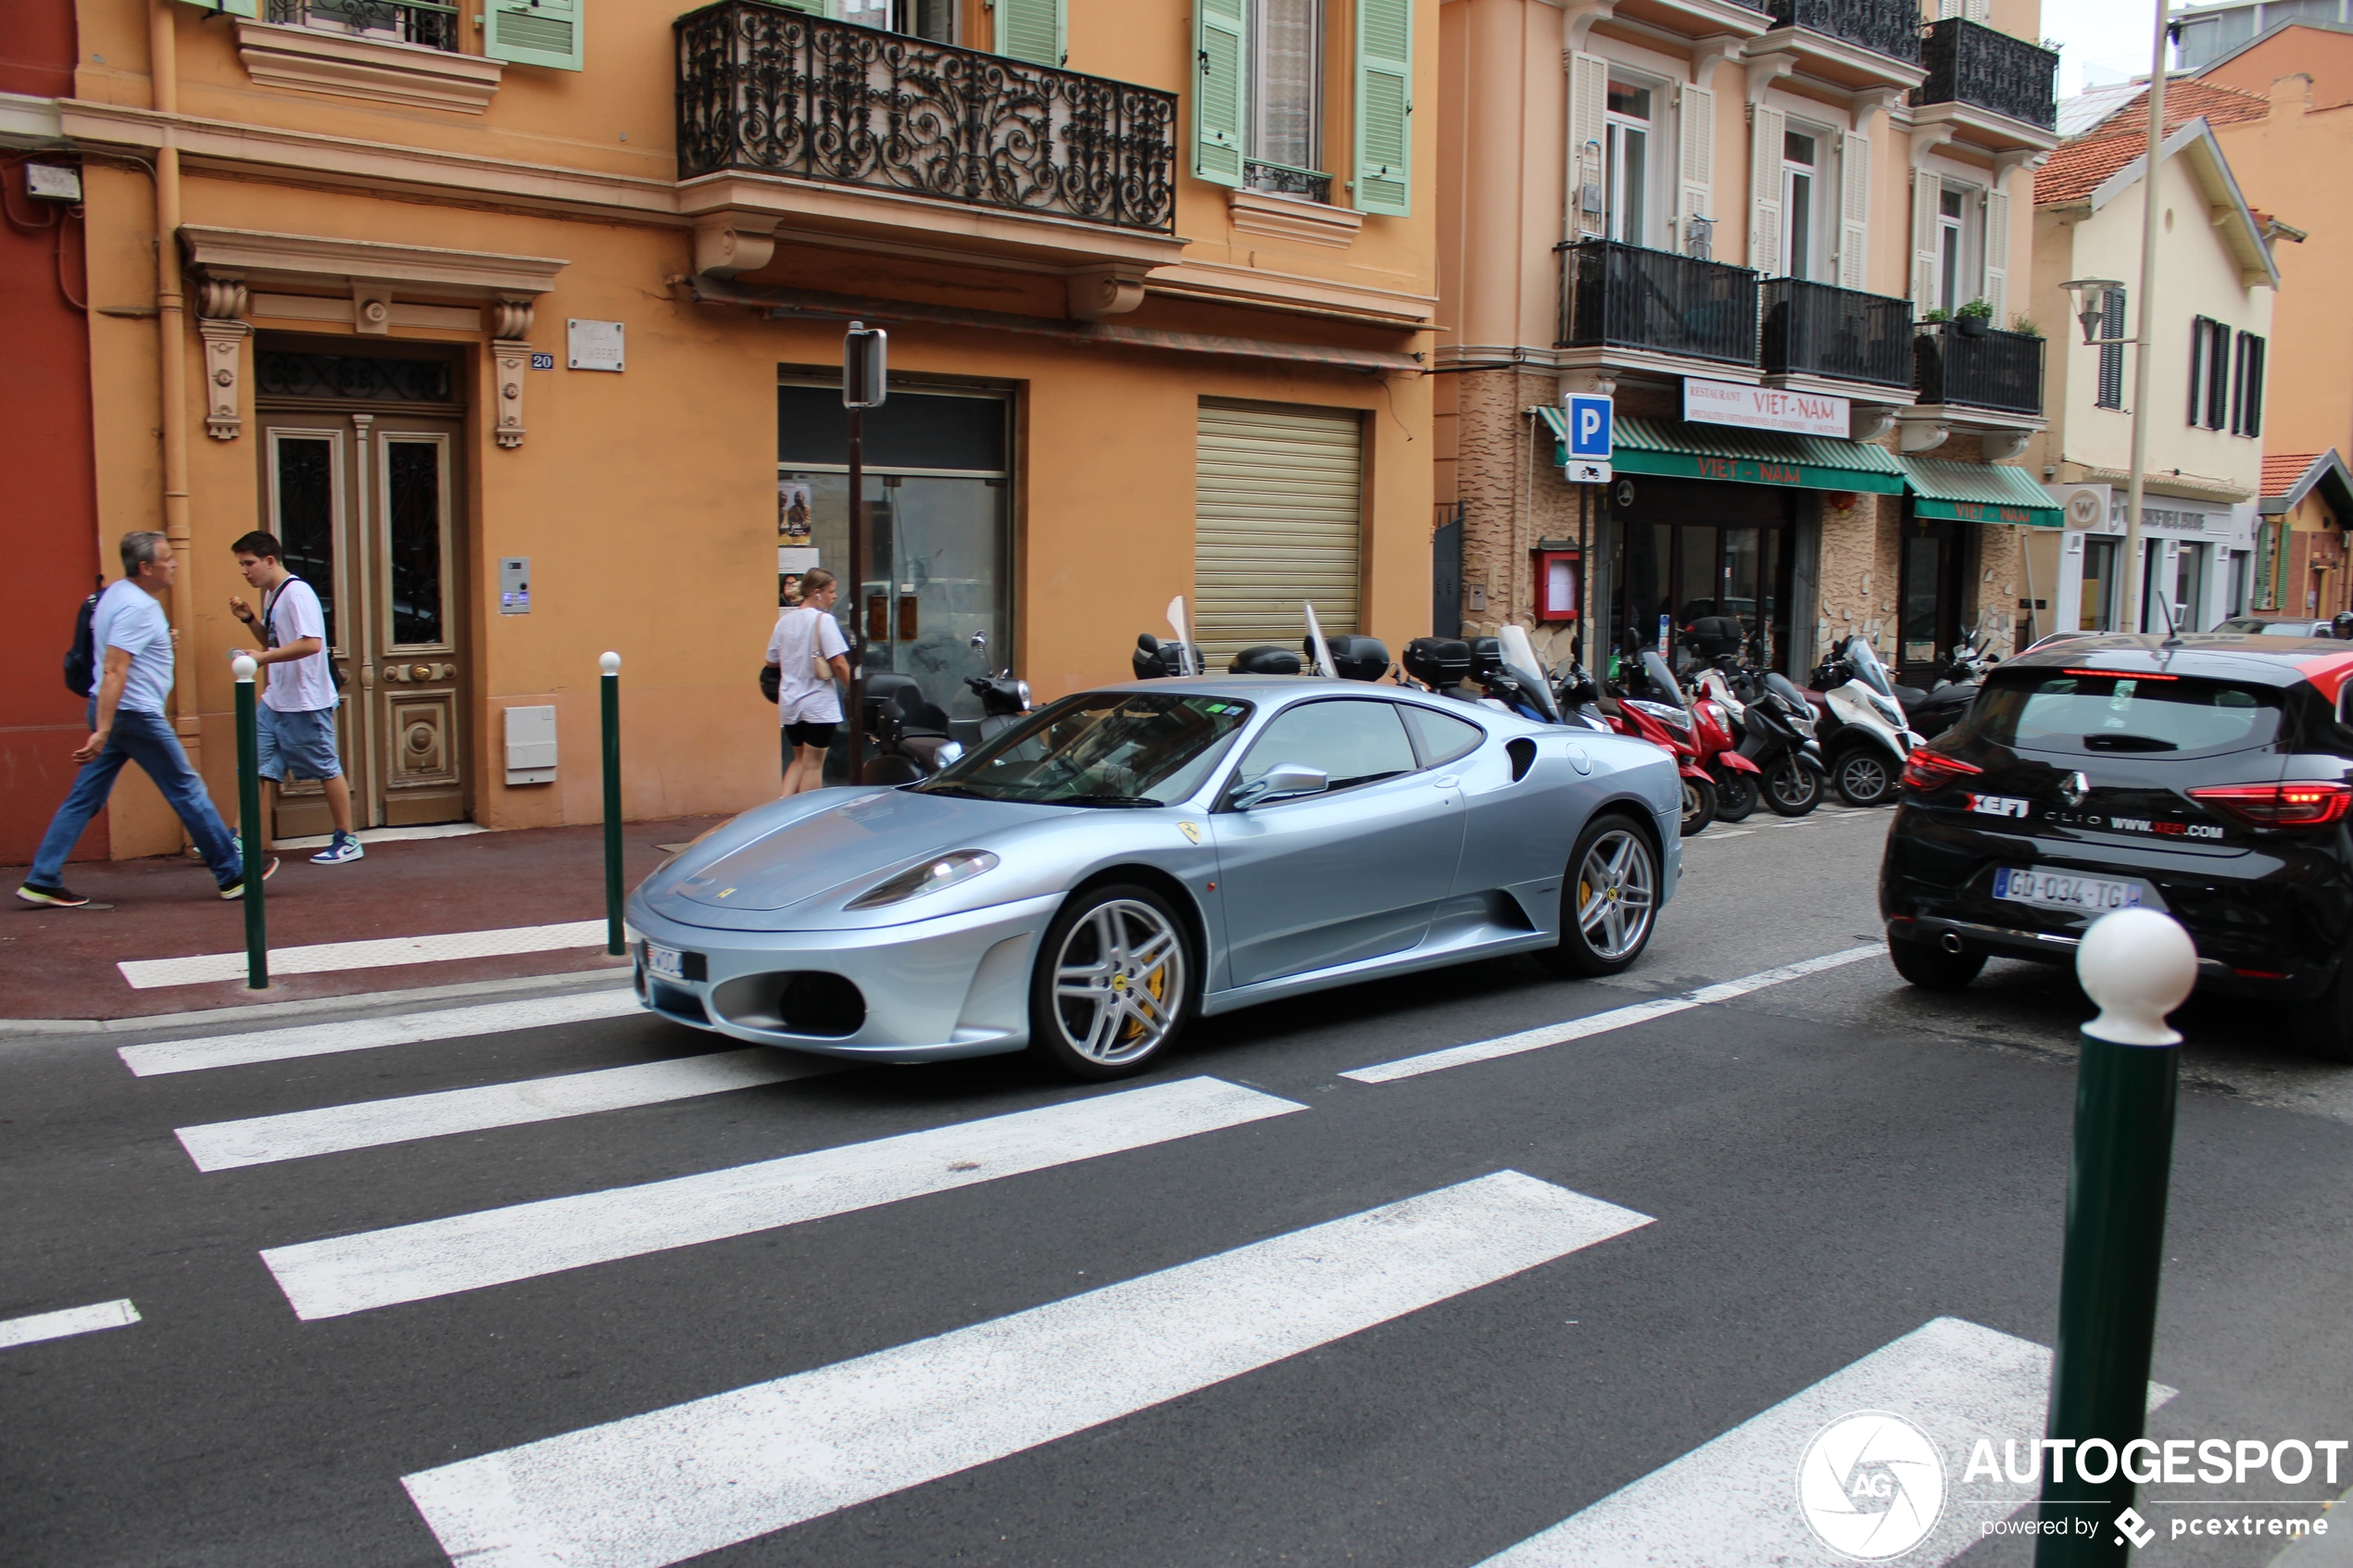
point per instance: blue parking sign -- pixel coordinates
(1589, 426)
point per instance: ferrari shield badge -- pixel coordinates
(1190, 830)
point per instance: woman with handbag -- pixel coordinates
(808, 667)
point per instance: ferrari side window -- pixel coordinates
(1353, 741)
(1442, 736)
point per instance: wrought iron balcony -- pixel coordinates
(1978, 370)
(1970, 63)
(1816, 330)
(1617, 295)
(387, 22)
(1884, 26)
(764, 90)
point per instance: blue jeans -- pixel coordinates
(146, 739)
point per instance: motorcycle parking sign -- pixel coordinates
(1590, 418)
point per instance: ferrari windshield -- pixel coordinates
(1101, 748)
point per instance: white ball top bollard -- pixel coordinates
(243, 666)
(610, 663)
(2138, 965)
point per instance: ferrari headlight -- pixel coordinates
(943, 871)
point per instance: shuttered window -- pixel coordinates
(1221, 88)
(1385, 107)
(534, 33)
(2246, 387)
(2110, 393)
(1277, 519)
(1036, 31)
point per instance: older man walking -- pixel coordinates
(131, 638)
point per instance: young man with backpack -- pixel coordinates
(297, 718)
(131, 656)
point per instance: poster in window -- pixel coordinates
(793, 501)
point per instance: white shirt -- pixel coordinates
(129, 618)
(800, 634)
(298, 685)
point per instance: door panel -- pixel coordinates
(418, 686)
(307, 498)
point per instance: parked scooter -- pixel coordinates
(1864, 736)
(1652, 707)
(1777, 734)
(909, 731)
(1003, 701)
(1951, 691)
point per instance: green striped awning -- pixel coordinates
(1675, 449)
(1978, 493)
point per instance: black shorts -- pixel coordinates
(819, 735)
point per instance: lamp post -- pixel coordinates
(865, 383)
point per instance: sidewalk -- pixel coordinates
(526, 886)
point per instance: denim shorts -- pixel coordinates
(298, 746)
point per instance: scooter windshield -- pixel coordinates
(1660, 679)
(1868, 669)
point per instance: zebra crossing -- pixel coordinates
(673, 1481)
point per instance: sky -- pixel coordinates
(2100, 40)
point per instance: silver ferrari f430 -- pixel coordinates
(1124, 860)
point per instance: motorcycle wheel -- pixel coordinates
(1864, 778)
(1699, 805)
(1792, 789)
(1735, 796)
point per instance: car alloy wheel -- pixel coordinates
(1113, 982)
(1864, 778)
(1608, 901)
(1792, 789)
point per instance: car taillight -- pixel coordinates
(2279, 805)
(1925, 769)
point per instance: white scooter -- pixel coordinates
(1866, 740)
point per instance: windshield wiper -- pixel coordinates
(1104, 800)
(961, 792)
(2128, 743)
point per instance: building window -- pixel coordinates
(1801, 173)
(2217, 375)
(1286, 84)
(1952, 279)
(2096, 608)
(934, 20)
(1627, 162)
(2246, 387)
(2110, 393)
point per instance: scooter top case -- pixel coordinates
(1356, 657)
(1266, 659)
(1438, 662)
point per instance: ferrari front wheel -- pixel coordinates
(1113, 985)
(1607, 901)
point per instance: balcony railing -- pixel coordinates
(1970, 63)
(387, 22)
(1884, 26)
(765, 90)
(1990, 370)
(1814, 329)
(1282, 179)
(1617, 295)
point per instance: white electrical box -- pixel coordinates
(47, 181)
(531, 746)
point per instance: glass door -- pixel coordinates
(412, 626)
(307, 502)
(1928, 620)
(2097, 604)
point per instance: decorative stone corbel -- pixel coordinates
(1708, 54)
(510, 318)
(1926, 141)
(220, 307)
(1922, 435)
(2000, 445)
(511, 359)
(1578, 18)
(1097, 292)
(729, 242)
(1868, 421)
(1764, 70)
(1868, 105)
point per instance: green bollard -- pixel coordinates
(249, 817)
(611, 665)
(2138, 965)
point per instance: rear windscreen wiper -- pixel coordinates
(2128, 743)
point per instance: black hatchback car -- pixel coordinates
(2208, 777)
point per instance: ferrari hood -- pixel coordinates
(834, 851)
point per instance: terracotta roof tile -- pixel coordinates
(2077, 168)
(2186, 97)
(2281, 470)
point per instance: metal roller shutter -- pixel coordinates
(1277, 519)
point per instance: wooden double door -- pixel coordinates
(366, 504)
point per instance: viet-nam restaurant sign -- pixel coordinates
(1764, 407)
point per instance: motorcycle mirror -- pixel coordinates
(980, 639)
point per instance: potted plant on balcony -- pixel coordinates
(1974, 319)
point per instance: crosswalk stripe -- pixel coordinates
(1734, 1499)
(660, 1487)
(288, 1042)
(352, 1273)
(65, 1322)
(334, 1129)
(326, 958)
(1602, 1022)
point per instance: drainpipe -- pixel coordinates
(171, 347)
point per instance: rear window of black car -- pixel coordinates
(2083, 712)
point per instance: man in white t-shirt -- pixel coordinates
(297, 720)
(806, 706)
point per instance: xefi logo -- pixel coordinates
(1871, 1485)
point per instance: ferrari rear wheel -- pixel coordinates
(1113, 983)
(1608, 900)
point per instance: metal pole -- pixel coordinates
(2138, 965)
(611, 665)
(2144, 329)
(856, 715)
(249, 816)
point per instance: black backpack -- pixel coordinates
(81, 659)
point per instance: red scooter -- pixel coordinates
(1652, 707)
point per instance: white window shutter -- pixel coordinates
(1977, 10)
(1385, 107)
(533, 32)
(1997, 257)
(1036, 31)
(1767, 130)
(1695, 154)
(1221, 88)
(1928, 191)
(1588, 128)
(1854, 211)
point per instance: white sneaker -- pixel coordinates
(342, 848)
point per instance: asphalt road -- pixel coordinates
(1814, 1171)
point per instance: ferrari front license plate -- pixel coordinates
(2054, 890)
(668, 963)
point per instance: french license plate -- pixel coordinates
(668, 963)
(2056, 890)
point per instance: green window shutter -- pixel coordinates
(234, 7)
(534, 33)
(1036, 31)
(1385, 107)
(1221, 88)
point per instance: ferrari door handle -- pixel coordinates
(1444, 781)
